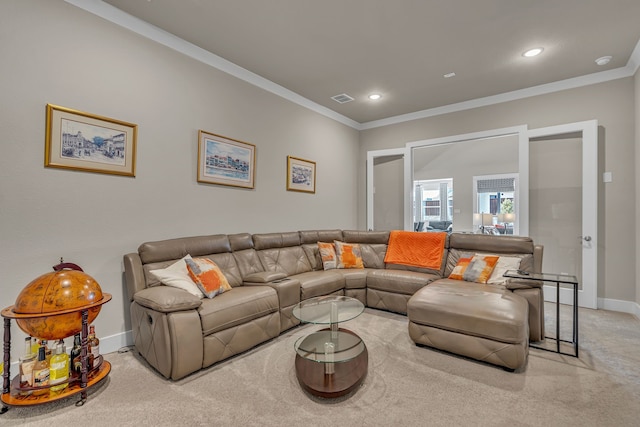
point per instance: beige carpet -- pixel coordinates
(406, 385)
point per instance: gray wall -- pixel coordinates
(53, 52)
(611, 103)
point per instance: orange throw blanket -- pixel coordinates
(416, 249)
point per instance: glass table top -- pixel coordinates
(346, 346)
(328, 309)
(542, 277)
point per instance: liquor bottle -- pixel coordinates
(35, 345)
(76, 353)
(47, 351)
(41, 372)
(94, 343)
(27, 361)
(59, 370)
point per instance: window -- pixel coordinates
(434, 201)
(495, 195)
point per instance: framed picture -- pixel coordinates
(225, 161)
(87, 142)
(301, 175)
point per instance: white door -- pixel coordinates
(386, 184)
(563, 198)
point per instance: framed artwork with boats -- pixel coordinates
(76, 140)
(225, 161)
(301, 175)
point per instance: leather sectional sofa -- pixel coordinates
(179, 333)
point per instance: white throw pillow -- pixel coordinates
(504, 263)
(177, 275)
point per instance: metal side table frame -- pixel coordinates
(558, 279)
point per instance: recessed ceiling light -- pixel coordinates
(449, 75)
(375, 96)
(603, 60)
(533, 52)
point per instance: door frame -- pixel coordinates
(523, 159)
(391, 152)
(588, 295)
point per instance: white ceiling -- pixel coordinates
(402, 48)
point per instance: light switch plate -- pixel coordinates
(607, 177)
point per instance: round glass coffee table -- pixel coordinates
(331, 362)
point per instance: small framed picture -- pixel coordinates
(301, 175)
(88, 142)
(225, 161)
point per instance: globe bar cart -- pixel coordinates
(55, 325)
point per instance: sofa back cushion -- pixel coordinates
(248, 262)
(373, 245)
(282, 253)
(240, 241)
(290, 261)
(163, 253)
(462, 245)
(174, 249)
(526, 260)
(314, 236)
(229, 267)
(309, 240)
(489, 243)
(276, 240)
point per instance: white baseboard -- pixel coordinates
(619, 305)
(115, 342)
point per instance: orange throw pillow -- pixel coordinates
(480, 268)
(328, 255)
(349, 255)
(207, 276)
(459, 269)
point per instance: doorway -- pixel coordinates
(563, 195)
(386, 196)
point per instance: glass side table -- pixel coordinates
(333, 361)
(558, 279)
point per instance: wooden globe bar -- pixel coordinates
(54, 306)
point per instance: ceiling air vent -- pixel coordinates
(343, 98)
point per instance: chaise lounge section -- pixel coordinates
(179, 332)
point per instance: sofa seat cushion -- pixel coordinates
(317, 283)
(354, 278)
(399, 281)
(240, 305)
(471, 308)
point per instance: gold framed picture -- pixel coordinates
(301, 175)
(225, 161)
(87, 142)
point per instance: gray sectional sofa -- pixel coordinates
(179, 333)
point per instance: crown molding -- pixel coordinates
(575, 82)
(123, 19)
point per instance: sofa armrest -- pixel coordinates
(166, 299)
(133, 274)
(264, 277)
(288, 290)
